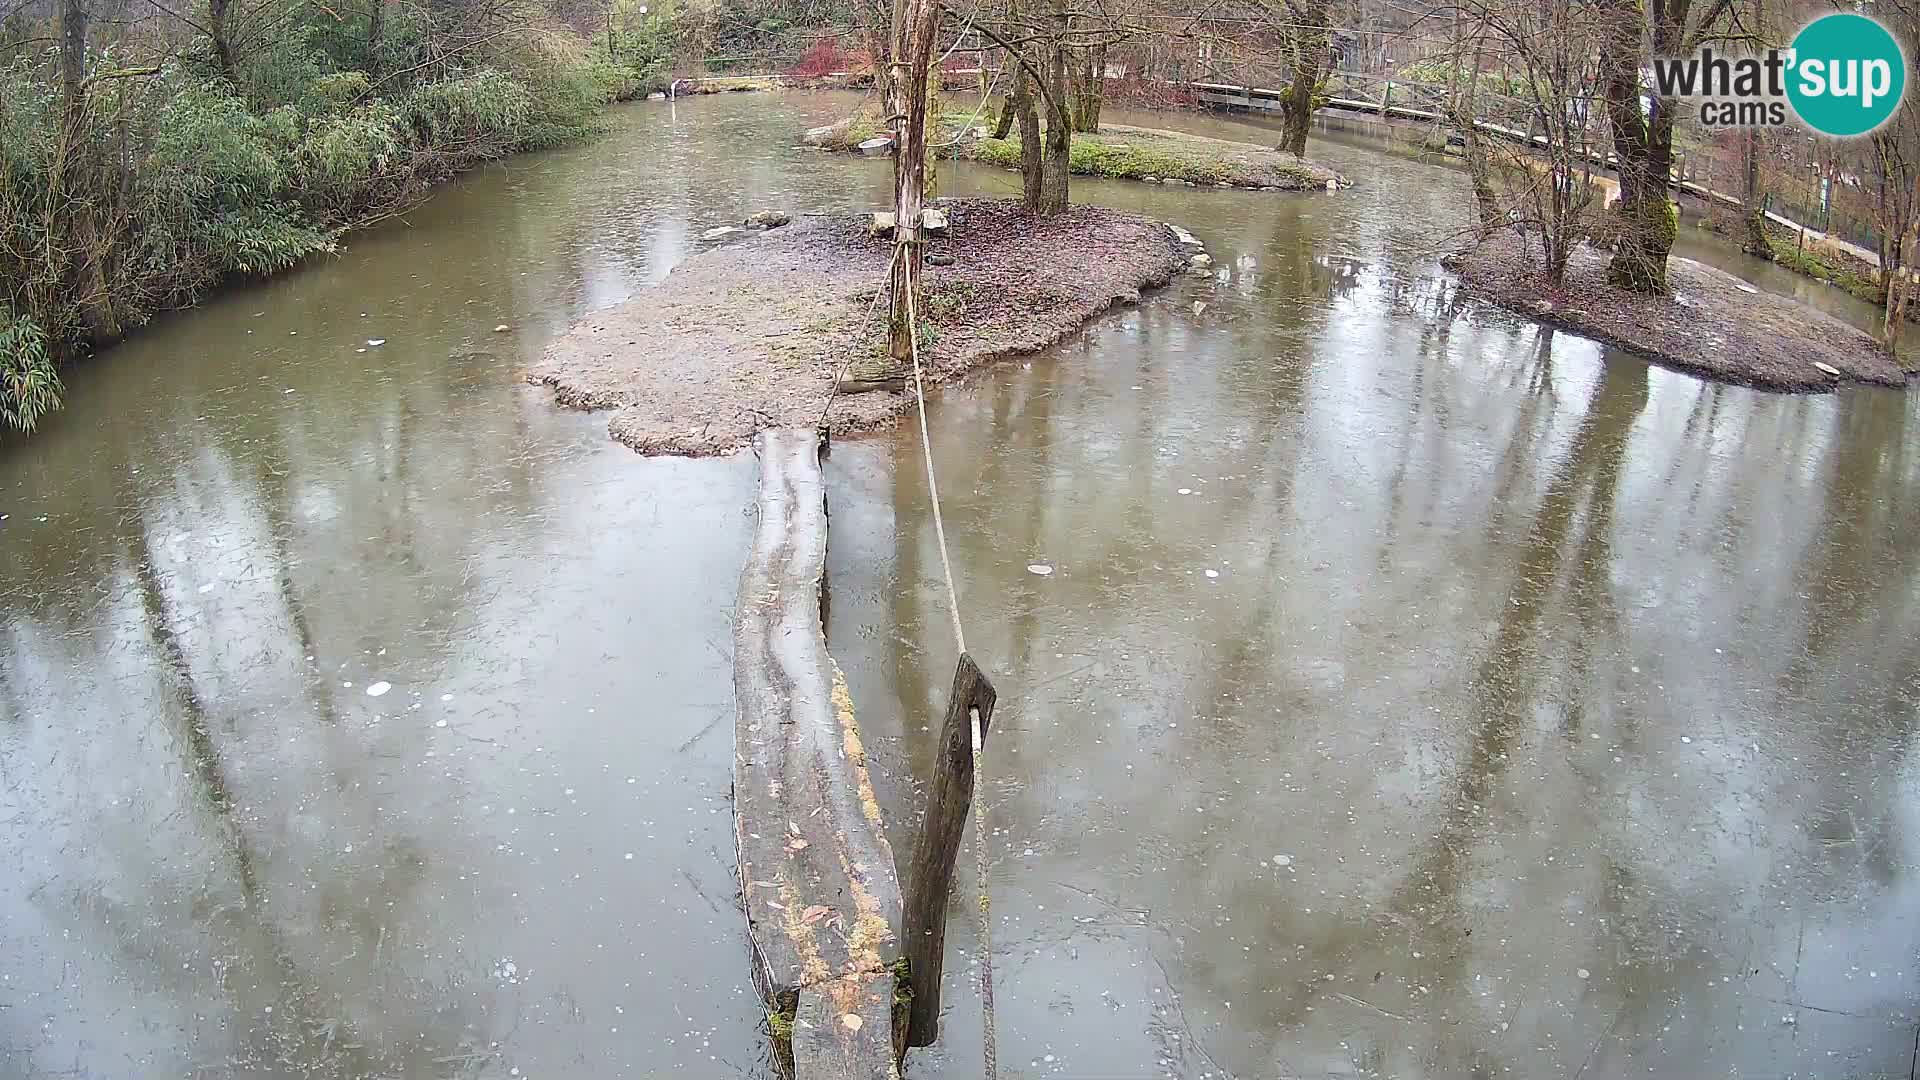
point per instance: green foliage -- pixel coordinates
(215, 185)
(168, 181)
(641, 54)
(29, 386)
(1096, 158)
(347, 158)
(284, 71)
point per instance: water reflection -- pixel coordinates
(1507, 733)
(1418, 692)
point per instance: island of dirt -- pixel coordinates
(755, 334)
(1711, 324)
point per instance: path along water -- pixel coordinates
(1414, 692)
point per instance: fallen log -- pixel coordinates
(817, 878)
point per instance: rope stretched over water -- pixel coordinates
(990, 1051)
(988, 1036)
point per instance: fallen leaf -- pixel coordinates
(815, 913)
(797, 844)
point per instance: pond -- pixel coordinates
(1416, 691)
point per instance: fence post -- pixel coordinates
(930, 879)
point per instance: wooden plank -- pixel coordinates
(930, 879)
(843, 1030)
(817, 879)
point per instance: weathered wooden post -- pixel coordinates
(930, 878)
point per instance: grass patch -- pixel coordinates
(1802, 261)
(734, 85)
(1139, 154)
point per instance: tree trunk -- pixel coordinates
(73, 53)
(1648, 221)
(217, 12)
(1312, 45)
(1752, 199)
(877, 43)
(1089, 89)
(914, 24)
(1003, 125)
(1059, 136)
(1465, 106)
(1028, 114)
(377, 34)
(1898, 273)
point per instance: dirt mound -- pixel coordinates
(1713, 324)
(752, 334)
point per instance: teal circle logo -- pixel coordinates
(1848, 75)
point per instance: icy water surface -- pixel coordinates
(1415, 693)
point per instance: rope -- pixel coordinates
(968, 126)
(989, 1041)
(833, 391)
(933, 486)
(989, 1038)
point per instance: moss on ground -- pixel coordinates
(780, 1029)
(1142, 153)
(1814, 265)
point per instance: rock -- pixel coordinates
(933, 222)
(1333, 184)
(882, 224)
(1183, 237)
(1200, 262)
(982, 133)
(1828, 368)
(874, 147)
(1149, 179)
(816, 136)
(767, 219)
(940, 258)
(656, 96)
(722, 233)
(502, 328)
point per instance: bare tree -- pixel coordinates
(1311, 45)
(1643, 133)
(914, 24)
(1536, 58)
(1894, 165)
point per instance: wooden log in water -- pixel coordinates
(817, 879)
(930, 879)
